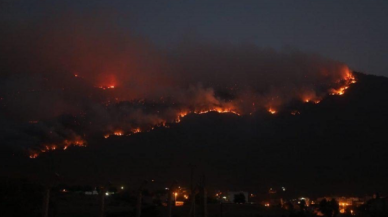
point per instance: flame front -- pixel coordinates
(175, 112)
(347, 80)
(272, 111)
(52, 147)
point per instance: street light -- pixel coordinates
(175, 194)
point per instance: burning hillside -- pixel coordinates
(79, 81)
(125, 118)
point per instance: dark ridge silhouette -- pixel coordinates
(335, 146)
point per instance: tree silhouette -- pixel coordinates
(377, 206)
(302, 205)
(329, 208)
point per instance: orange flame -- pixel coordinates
(137, 130)
(107, 87)
(272, 111)
(347, 80)
(64, 145)
(118, 133)
(180, 116)
(218, 110)
(34, 155)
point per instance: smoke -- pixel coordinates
(68, 77)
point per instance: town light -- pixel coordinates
(175, 194)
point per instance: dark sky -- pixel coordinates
(353, 31)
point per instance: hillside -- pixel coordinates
(343, 139)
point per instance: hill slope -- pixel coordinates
(336, 146)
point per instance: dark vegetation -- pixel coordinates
(339, 145)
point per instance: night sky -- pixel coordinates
(349, 31)
(256, 94)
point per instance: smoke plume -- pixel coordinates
(67, 78)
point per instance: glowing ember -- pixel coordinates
(137, 130)
(311, 97)
(63, 145)
(33, 156)
(218, 110)
(78, 142)
(118, 133)
(183, 114)
(107, 87)
(272, 111)
(295, 112)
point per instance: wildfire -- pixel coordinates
(340, 91)
(272, 111)
(308, 96)
(181, 115)
(121, 133)
(107, 87)
(34, 155)
(347, 80)
(309, 100)
(52, 147)
(118, 133)
(137, 130)
(295, 112)
(218, 110)
(115, 133)
(77, 142)
(200, 112)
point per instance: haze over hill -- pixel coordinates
(338, 145)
